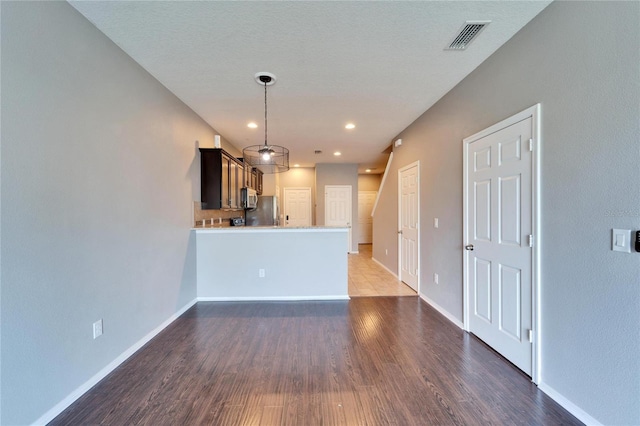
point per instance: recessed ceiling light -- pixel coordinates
(252, 125)
(337, 153)
(368, 170)
(296, 165)
(350, 126)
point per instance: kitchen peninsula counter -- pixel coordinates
(271, 263)
(273, 228)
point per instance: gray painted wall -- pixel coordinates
(581, 61)
(99, 171)
(338, 174)
(369, 182)
(298, 177)
(385, 219)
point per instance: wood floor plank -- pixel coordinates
(367, 361)
(271, 416)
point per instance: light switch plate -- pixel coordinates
(621, 240)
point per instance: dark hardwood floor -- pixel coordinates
(368, 361)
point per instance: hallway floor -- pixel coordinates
(367, 278)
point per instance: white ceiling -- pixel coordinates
(379, 65)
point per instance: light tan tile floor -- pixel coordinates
(368, 278)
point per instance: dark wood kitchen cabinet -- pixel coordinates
(248, 172)
(221, 178)
(257, 182)
(252, 178)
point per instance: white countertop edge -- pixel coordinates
(271, 298)
(260, 229)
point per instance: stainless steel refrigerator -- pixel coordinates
(267, 212)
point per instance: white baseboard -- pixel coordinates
(443, 311)
(578, 412)
(73, 396)
(385, 268)
(552, 393)
(271, 298)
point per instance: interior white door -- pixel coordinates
(499, 224)
(366, 200)
(408, 178)
(337, 207)
(297, 207)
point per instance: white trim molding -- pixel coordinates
(443, 311)
(578, 412)
(271, 298)
(385, 268)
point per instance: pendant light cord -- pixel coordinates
(265, 114)
(267, 158)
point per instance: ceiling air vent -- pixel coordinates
(467, 34)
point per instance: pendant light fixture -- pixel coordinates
(268, 158)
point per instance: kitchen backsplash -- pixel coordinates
(199, 215)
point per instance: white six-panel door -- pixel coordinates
(297, 207)
(408, 215)
(366, 199)
(499, 228)
(337, 207)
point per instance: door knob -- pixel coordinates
(400, 231)
(469, 247)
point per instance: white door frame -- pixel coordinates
(533, 113)
(417, 165)
(284, 196)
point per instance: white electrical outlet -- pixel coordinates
(435, 278)
(435, 222)
(386, 252)
(261, 273)
(97, 329)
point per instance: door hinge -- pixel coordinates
(530, 335)
(530, 144)
(530, 240)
